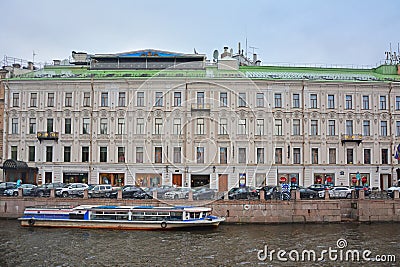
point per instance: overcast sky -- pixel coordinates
(290, 31)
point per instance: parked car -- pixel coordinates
(161, 190)
(390, 190)
(245, 192)
(100, 190)
(318, 187)
(178, 193)
(132, 191)
(307, 193)
(26, 190)
(204, 193)
(6, 185)
(358, 188)
(337, 192)
(44, 189)
(73, 189)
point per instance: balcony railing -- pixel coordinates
(352, 138)
(205, 107)
(47, 136)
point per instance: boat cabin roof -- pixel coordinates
(175, 208)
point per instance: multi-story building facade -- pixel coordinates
(126, 119)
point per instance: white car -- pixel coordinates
(73, 189)
(337, 192)
(178, 193)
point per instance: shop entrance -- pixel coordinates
(177, 179)
(200, 180)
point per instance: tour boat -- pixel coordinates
(120, 217)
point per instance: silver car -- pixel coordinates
(73, 189)
(337, 192)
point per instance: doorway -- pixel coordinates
(385, 181)
(177, 179)
(222, 182)
(200, 180)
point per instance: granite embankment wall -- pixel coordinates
(249, 211)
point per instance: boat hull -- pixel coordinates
(120, 225)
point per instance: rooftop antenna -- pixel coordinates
(252, 47)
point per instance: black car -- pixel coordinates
(307, 193)
(204, 193)
(358, 188)
(245, 192)
(6, 185)
(44, 189)
(318, 187)
(275, 192)
(134, 192)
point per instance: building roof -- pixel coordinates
(147, 53)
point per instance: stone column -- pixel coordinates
(326, 194)
(85, 194)
(361, 194)
(119, 194)
(190, 195)
(52, 193)
(395, 194)
(262, 195)
(298, 195)
(20, 192)
(155, 194)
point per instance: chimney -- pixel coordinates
(254, 58)
(56, 62)
(239, 48)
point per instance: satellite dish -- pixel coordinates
(215, 54)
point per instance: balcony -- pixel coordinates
(200, 107)
(47, 136)
(352, 138)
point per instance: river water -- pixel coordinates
(228, 245)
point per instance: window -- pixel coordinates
(397, 128)
(382, 102)
(349, 102)
(260, 100)
(14, 126)
(15, 100)
(397, 102)
(367, 156)
(313, 101)
(365, 102)
(331, 127)
(32, 126)
(385, 156)
(260, 127)
(122, 99)
(383, 128)
(260, 155)
(14, 152)
(278, 155)
(200, 126)
(296, 156)
(31, 154)
(314, 155)
(296, 127)
(140, 99)
(200, 154)
(121, 126)
(159, 99)
(121, 154)
(50, 99)
(223, 155)
(278, 127)
(200, 99)
(68, 99)
(223, 126)
(103, 154)
(242, 100)
(158, 125)
(158, 154)
(332, 155)
(139, 126)
(296, 100)
(177, 155)
(223, 99)
(67, 154)
(314, 127)
(278, 100)
(242, 126)
(177, 126)
(350, 155)
(366, 128)
(85, 154)
(139, 154)
(103, 126)
(86, 126)
(104, 99)
(49, 154)
(242, 155)
(67, 125)
(49, 125)
(86, 99)
(33, 100)
(331, 101)
(349, 127)
(177, 99)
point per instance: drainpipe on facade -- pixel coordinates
(185, 172)
(304, 131)
(91, 129)
(390, 131)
